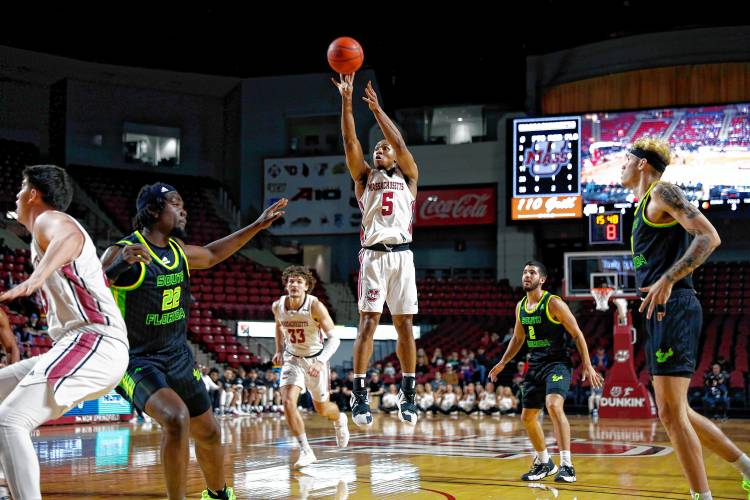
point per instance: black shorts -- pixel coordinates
(672, 343)
(147, 374)
(543, 379)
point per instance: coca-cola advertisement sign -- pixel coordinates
(456, 207)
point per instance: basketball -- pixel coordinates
(345, 55)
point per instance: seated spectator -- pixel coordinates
(453, 361)
(448, 400)
(450, 376)
(255, 389)
(347, 389)
(389, 401)
(376, 390)
(488, 401)
(467, 371)
(389, 370)
(426, 400)
(437, 358)
(716, 400)
(600, 360)
(437, 382)
(211, 381)
(506, 401)
(468, 401)
(484, 342)
(716, 374)
(423, 365)
(518, 378)
(723, 364)
(337, 390)
(228, 393)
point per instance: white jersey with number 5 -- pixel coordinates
(387, 209)
(302, 335)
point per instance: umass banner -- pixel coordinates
(456, 207)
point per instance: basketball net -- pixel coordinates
(601, 296)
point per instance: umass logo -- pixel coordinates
(506, 448)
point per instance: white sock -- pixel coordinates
(565, 458)
(543, 456)
(742, 464)
(706, 495)
(341, 421)
(302, 439)
(410, 375)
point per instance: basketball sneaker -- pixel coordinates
(306, 457)
(360, 404)
(540, 471)
(567, 474)
(407, 409)
(342, 431)
(746, 487)
(229, 494)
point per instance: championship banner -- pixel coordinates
(456, 207)
(320, 193)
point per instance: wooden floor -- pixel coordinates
(442, 458)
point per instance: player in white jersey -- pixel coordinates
(386, 193)
(90, 353)
(301, 321)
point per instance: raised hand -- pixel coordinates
(271, 213)
(371, 98)
(345, 85)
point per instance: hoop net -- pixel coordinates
(622, 309)
(601, 296)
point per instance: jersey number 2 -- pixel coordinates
(296, 335)
(170, 299)
(387, 206)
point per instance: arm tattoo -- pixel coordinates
(696, 254)
(675, 198)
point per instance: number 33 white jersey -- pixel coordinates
(387, 209)
(302, 335)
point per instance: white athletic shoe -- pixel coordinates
(306, 457)
(342, 431)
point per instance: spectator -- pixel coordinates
(438, 382)
(254, 387)
(600, 360)
(426, 400)
(437, 358)
(716, 374)
(518, 377)
(450, 377)
(337, 390)
(227, 397)
(423, 365)
(347, 389)
(488, 400)
(376, 390)
(723, 363)
(716, 400)
(211, 381)
(468, 402)
(467, 371)
(389, 401)
(506, 401)
(453, 361)
(484, 342)
(389, 370)
(448, 401)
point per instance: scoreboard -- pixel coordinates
(546, 168)
(605, 228)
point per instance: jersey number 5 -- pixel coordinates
(387, 206)
(297, 335)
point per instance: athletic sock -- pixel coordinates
(742, 464)
(543, 456)
(565, 458)
(302, 440)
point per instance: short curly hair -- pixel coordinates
(657, 146)
(302, 271)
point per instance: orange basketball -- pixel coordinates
(345, 55)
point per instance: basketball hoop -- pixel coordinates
(601, 296)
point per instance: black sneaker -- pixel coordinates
(567, 474)
(361, 414)
(540, 471)
(407, 408)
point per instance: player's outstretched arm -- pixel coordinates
(392, 134)
(321, 316)
(61, 241)
(561, 312)
(355, 159)
(220, 250)
(515, 344)
(670, 199)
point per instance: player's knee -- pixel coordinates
(528, 417)
(555, 408)
(668, 414)
(175, 420)
(402, 321)
(209, 434)
(289, 404)
(368, 323)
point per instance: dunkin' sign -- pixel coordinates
(456, 207)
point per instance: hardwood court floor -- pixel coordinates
(442, 458)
